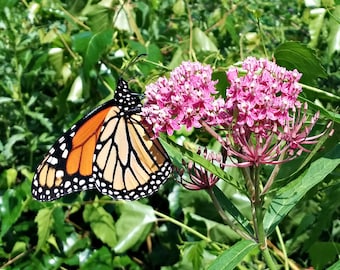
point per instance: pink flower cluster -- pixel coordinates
(185, 98)
(263, 121)
(263, 97)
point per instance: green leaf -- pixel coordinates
(316, 22)
(8, 178)
(177, 58)
(133, 225)
(81, 40)
(41, 118)
(321, 253)
(335, 266)
(59, 227)
(10, 210)
(45, 221)
(101, 223)
(99, 259)
(193, 252)
(294, 55)
(290, 195)
(334, 32)
(177, 152)
(8, 151)
(218, 232)
(230, 258)
(97, 45)
(229, 207)
(99, 18)
(201, 42)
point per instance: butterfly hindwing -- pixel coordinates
(109, 149)
(129, 165)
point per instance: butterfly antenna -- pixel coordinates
(133, 61)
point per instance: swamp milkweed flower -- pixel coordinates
(185, 98)
(261, 119)
(270, 126)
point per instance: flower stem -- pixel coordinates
(185, 227)
(257, 204)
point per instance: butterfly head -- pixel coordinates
(125, 99)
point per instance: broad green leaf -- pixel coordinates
(201, 42)
(101, 223)
(334, 32)
(218, 232)
(11, 207)
(321, 253)
(327, 113)
(177, 58)
(316, 22)
(99, 18)
(80, 41)
(41, 118)
(230, 258)
(99, 259)
(8, 150)
(193, 252)
(230, 25)
(335, 266)
(294, 55)
(179, 7)
(45, 221)
(97, 45)
(229, 207)
(59, 227)
(133, 225)
(290, 195)
(8, 178)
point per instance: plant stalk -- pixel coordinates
(257, 204)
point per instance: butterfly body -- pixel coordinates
(109, 150)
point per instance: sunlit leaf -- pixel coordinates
(202, 42)
(193, 252)
(230, 258)
(96, 46)
(316, 22)
(101, 223)
(334, 33)
(291, 194)
(294, 55)
(45, 221)
(10, 209)
(133, 225)
(335, 266)
(322, 253)
(99, 259)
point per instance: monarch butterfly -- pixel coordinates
(108, 149)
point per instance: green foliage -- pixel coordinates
(287, 197)
(62, 58)
(230, 258)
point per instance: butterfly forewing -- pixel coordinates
(109, 149)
